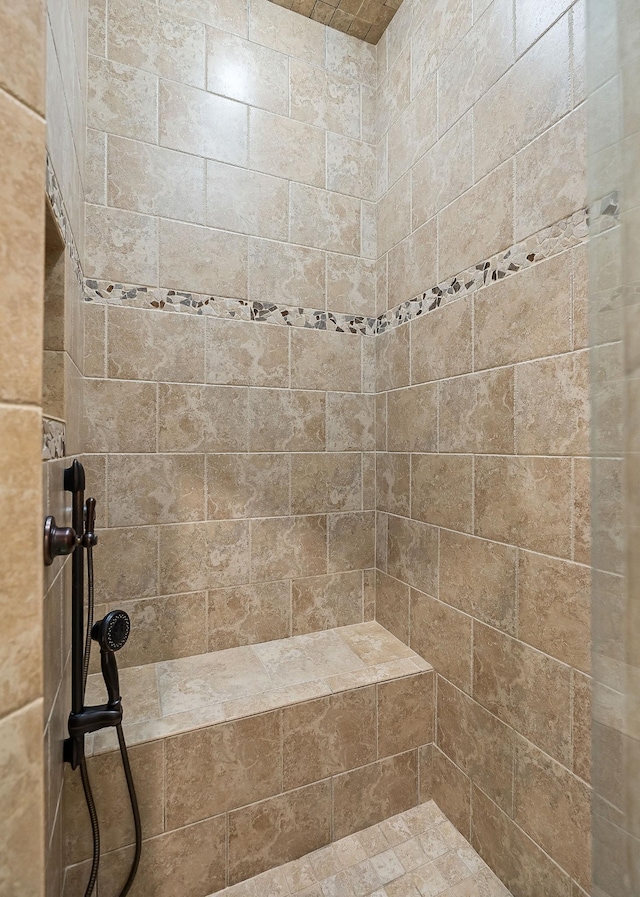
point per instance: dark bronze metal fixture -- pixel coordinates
(58, 540)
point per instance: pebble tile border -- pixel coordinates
(53, 439)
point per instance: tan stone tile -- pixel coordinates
(435, 35)
(476, 413)
(194, 121)
(202, 259)
(95, 336)
(241, 352)
(155, 489)
(413, 553)
(299, 874)
(246, 615)
(247, 202)
(350, 422)
(351, 283)
(524, 501)
(203, 555)
(239, 708)
(287, 148)
(561, 823)
(442, 636)
(351, 541)
(373, 644)
(22, 50)
(255, 485)
(119, 416)
(434, 356)
(532, 21)
(280, 272)
(324, 99)
(351, 167)
(394, 90)
(324, 220)
(242, 762)
(162, 869)
(287, 547)
(394, 215)
(324, 602)
(524, 688)
(477, 224)
(143, 345)
(606, 474)
(375, 792)
(328, 736)
(412, 264)
(414, 132)
(441, 490)
(405, 715)
(479, 578)
(451, 790)
(286, 420)
(260, 75)
(525, 316)
(315, 655)
(280, 829)
(581, 726)
(227, 14)
(110, 791)
(392, 605)
(121, 246)
(554, 608)
(445, 171)
(381, 422)
(165, 628)
(122, 100)
(321, 359)
(392, 359)
(517, 860)
(201, 418)
(287, 32)
(326, 482)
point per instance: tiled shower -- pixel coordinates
(336, 306)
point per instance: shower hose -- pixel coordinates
(84, 774)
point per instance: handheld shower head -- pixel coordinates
(111, 633)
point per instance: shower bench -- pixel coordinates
(250, 757)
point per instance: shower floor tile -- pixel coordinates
(418, 853)
(175, 696)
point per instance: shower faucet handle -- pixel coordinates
(58, 541)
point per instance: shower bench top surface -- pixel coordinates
(173, 696)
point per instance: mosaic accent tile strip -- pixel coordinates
(559, 237)
(54, 194)
(53, 439)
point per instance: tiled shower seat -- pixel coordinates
(175, 696)
(248, 758)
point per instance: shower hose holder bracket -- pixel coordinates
(91, 719)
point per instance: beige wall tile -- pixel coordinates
(122, 100)
(523, 688)
(328, 736)
(412, 418)
(476, 413)
(119, 416)
(554, 608)
(392, 605)
(392, 359)
(444, 172)
(287, 148)
(326, 482)
(451, 789)
(95, 169)
(121, 246)
(547, 66)
(242, 760)
(155, 181)
(525, 502)
(394, 215)
(240, 486)
(141, 346)
(441, 342)
(95, 356)
(141, 34)
(373, 793)
(414, 132)
(533, 20)
(351, 541)
(240, 352)
(443, 636)
(551, 176)
(203, 260)
(405, 713)
(351, 167)
(123, 576)
(226, 14)
(248, 72)
(288, 547)
(436, 35)
(477, 224)
(581, 726)
(287, 32)
(324, 99)
(561, 824)
(393, 483)
(413, 553)
(247, 202)
(350, 56)
(153, 489)
(246, 615)
(286, 420)
(525, 316)
(194, 121)
(324, 220)
(195, 418)
(478, 743)
(394, 91)
(321, 359)
(276, 831)
(442, 490)
(285, 273)
(22, 51)
(413, 264)
(196, 556)
(324, 602)
(350, 422)
(479, 578)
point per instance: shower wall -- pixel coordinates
(483, 416)
(21, 252)
(231, 188)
